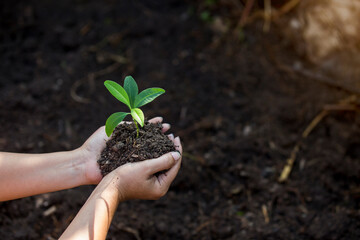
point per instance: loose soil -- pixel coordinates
(238, 113)
(125, 147)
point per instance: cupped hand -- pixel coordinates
(92, 148)
(142, 180)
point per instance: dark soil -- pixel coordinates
(125, 147)
(238, 113)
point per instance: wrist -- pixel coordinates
(90, 172)
(110, 188)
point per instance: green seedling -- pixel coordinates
(130, 97)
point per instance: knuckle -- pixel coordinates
(170, 160)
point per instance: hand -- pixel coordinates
(129, 181)
(138, 180)
(92, 148)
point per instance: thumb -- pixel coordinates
(164, 162)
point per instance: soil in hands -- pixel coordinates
(125, 147)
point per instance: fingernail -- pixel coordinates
(164, 125)
(171, 136)
(176, 155)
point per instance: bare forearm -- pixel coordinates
(94, 218)
(130, 181)
(23, 175)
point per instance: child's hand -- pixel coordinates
(139, 180)
(92, 148)
(132, 180)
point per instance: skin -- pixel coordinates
(130, 181)
(24, 175)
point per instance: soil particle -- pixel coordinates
(125, 147)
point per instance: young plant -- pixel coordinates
(130, 97)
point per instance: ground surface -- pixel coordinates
(239, 117)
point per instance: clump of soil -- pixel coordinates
(124, 147)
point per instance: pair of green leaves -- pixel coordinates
(130, 96)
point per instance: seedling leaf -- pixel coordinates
(113, 121)
(131, 89)
(130, 97)
(138, 115)
(147, 96)
(118, 92)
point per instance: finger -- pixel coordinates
(178, 146)
(165, 179)
(171, 137)
(164, 162)
(156, 120)
(101, 132)
(165, 127)
(99, 135)
(153, 120)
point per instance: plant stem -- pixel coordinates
(137, 128)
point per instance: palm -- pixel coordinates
(93, 147)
